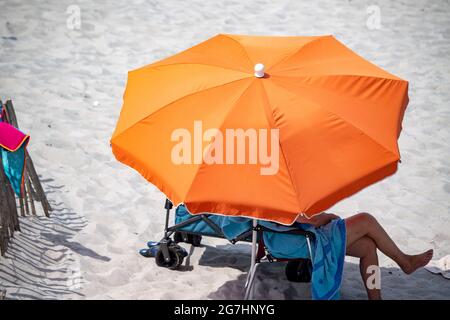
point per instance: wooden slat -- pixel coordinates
(37, 185)
(30, 193)
(11, 114)
(25, 198)
(22, 207)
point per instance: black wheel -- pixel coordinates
(177, 237)
(176, 258)
(186, 237)
(299, 270)
(195, 240)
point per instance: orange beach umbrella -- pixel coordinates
(264, 127)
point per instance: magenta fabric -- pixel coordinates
(10, 137)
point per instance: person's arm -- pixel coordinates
(318, 220)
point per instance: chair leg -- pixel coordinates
(254, 250)
(253, 264)
(247, 280)
(310, 249)
(249, 290)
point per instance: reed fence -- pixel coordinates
(10, 204)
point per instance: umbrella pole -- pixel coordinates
(253, 264)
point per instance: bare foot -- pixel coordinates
(417, 261)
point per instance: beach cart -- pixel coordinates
(191, 228)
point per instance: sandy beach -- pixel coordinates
(67, 83)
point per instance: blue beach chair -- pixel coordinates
(191, 228)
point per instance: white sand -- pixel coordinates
(67, 86)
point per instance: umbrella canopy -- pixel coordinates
(325, 123)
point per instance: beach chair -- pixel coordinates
(192, 229)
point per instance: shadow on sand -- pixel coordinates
(41, 262)
(271, 282)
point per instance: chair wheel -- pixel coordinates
(299, 270)
(177, 237)
(176, 258)
(195, 240)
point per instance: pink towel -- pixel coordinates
(11, 138)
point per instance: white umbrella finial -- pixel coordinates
(259, 70)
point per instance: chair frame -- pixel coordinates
(259, 253)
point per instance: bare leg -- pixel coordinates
(366, 250)
(363, 224)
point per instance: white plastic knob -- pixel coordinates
(259, 70)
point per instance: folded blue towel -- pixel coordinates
(328, 251)
(328, 248)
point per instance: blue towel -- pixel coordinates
(13, 165)
(328, 253)
(328, 248)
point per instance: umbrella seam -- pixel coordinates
(271, 121)
(342, 75)
(225, 119)
(242, 47)
(297, 51)
(330, 36)
(176, 100)
(186, 50)
(152, 66)
(344, 120)
(390, 76)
